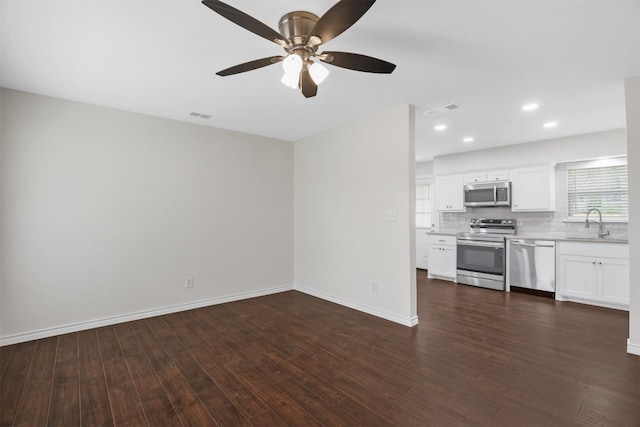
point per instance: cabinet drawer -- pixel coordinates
(440, 239)
(599, 250)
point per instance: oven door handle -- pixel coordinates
(485, 244)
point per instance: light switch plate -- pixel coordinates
(392, 215)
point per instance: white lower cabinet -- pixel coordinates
(442, 256)
(422, 248)
(594, 273)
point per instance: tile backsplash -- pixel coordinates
(552, 224)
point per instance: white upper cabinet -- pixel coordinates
(471, 178)
(532, 189)
(450, 193)
(501, 175)
(490, 176)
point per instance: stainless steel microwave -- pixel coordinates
(496, 193)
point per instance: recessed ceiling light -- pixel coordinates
(530, 107)
(440, 127)
(550, 124)
(468, 139)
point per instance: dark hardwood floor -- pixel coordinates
(478, 357)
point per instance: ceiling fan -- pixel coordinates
(301, 34)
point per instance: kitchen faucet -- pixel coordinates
(601, 232)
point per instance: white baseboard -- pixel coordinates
(623, 307)
(81, 326)
(633, 348)
(406, 321)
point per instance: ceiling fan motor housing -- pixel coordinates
(295, 26)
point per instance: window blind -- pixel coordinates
(605, 188)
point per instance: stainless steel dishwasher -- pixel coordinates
(531, 264)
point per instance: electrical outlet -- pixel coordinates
(374, 287)
(188, 282)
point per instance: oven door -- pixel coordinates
(481, 257)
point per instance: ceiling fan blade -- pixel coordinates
(340, 17)
(355, 61)
(308, 86)
(251, 65)
(245, 21)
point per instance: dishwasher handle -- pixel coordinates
(531, 245)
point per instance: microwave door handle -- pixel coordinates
(495, 194)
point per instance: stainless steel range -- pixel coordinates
(481, 252)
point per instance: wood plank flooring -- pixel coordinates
(478, 357)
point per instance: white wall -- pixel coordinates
(632, 96)
(578, 147)
(105, 212)
(424, 169)
(345, 181)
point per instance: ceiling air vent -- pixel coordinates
(434, 112)
(200, 115)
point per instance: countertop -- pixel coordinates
(438, 233)
(556, 237)
(569, 239)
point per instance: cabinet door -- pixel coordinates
(498, 175)
(443, 193)
(577, 276)
(532, 189)
(450, 193)
(613, 281)
(422, 249)
(471, 178)
(457, 193)
(449, 255)
(436, 261)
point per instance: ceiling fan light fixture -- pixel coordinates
(318, 72)
(292, 64)
(290, 80)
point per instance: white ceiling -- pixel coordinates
(160, 57)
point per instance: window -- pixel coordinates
(599, 184)
(423, 204)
